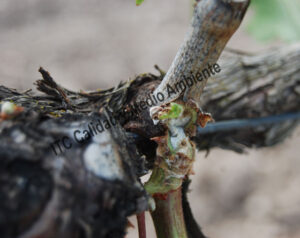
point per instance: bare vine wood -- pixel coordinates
(260, 75)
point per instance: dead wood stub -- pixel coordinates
(64, 196)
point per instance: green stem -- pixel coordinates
(168, 216)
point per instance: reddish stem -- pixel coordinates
(141, 225)
(168, 216)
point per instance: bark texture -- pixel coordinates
(66, 170)
(254, 86)
(213, 24)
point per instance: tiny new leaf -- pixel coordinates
(139, 2)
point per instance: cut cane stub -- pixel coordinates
(9, 110)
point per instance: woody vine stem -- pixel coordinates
(213, 24)
(175, 157)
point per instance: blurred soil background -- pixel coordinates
(96, 44)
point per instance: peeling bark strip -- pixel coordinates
(151, 100)
(213, 24)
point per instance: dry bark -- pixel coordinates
(248, 87)
(254, 86)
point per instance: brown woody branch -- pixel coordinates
(213, 24)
